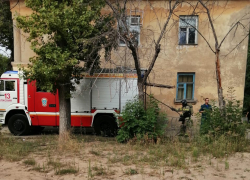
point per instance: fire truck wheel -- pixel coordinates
(18, 125)
(105, 125)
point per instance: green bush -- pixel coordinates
(227, 121)
(137, 122)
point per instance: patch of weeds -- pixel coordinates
(131, 171)
(187, 171)
(99, 171)
(210, 161)
(247, 170)
(226, 165)
(184, 178)
(176, 162)
(55, 164)
(127, 159)
(30, 162)
(37, 168)
(96, 153)
(14, 149)
(69, 143)
(195, 153)
(90, 174)
(115, 159)
(102, 171)
(69, 170)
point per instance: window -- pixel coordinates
(133, 23)
(187, 31)
(185, 86)
(7, 85)
(10, 85)
(1, 85)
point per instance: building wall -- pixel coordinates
(22, 51)
(174, 58)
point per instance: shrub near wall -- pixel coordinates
(227, 122)
(138, 122)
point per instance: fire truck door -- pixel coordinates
(8, 93)
(45, 108)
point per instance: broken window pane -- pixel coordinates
(183, 35)
(188, 21)
(187, 33)
(191, 36)
(191, 21)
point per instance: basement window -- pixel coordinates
(185, 86)
(188, 30)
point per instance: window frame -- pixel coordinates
(4, 85)
(131, 27)
(187, 29)
(185, 86)
(15, 84)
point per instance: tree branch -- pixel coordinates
(211, 23)
(159, 85)
(236, 24)
(198, 33)
(157, 44)
(237, 45)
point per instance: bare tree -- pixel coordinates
(120, 9)
(240, 25)
(217, 45)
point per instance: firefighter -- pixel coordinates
(187, 112)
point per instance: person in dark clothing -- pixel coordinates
(205, 107)
(248, 114)
(187, 112)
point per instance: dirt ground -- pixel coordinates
(98, 159)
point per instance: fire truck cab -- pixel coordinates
(97, 98)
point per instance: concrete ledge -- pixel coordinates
(188, 101)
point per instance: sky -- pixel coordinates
(4, 52)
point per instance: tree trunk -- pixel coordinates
(65, 111)
(218, 77)
(140, 90)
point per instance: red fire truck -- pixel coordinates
(97, 98)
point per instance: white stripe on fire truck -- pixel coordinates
(57, 114)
